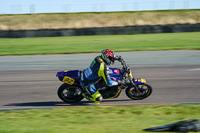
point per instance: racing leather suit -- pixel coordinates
(97, 69)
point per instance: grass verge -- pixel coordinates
(98, 119)
(88, 44)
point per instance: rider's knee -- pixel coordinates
(99, 98)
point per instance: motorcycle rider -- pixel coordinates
(98, 69)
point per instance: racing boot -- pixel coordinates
(92, 94)
(96, 97)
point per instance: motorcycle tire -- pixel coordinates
(145, 91)
(66, 93)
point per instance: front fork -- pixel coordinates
(133, 84)
(138, 81)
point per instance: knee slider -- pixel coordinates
(100, 98)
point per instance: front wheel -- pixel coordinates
(145, 91)
(69, 94)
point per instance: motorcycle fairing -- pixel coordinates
(69, 77)
(115, 73)
(137, 81)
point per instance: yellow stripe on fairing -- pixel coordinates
(116, 94)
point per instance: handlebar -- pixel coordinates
(126, 72)
(126, 68)
(120, 59)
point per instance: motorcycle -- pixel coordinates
(71, 90)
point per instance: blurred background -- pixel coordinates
(60, 14)
(63, 6)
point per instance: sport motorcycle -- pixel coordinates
(71, 90)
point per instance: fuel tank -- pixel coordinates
(115, 73)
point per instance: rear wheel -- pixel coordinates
(69, 94)
(145, 91)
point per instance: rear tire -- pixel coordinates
(145, 91)
(67, 93)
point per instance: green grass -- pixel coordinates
(95, 119)
(87, 44)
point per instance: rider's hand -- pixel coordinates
(119, 58)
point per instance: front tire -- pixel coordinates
(145, 91)
(69, 93)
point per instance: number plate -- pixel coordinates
(141, 80)
(68, 80)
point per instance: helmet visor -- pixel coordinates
(112, 59)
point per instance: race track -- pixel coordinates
(30, 81)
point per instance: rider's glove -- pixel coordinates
(119, 58)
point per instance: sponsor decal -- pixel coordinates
(110, 71)
(92, 89)
(116, 71)
(88, 72)
(114, 79)
(141, 80)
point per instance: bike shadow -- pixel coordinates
(60, 103)
(49, 104)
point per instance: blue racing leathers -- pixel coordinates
(94, 72)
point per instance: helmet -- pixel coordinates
(108, 56)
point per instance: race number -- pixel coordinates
(68, 80)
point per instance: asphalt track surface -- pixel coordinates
(29, 81)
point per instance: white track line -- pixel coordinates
(196, 69)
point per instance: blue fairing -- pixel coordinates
(139, 81)
(115, 73)
(75, 74)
